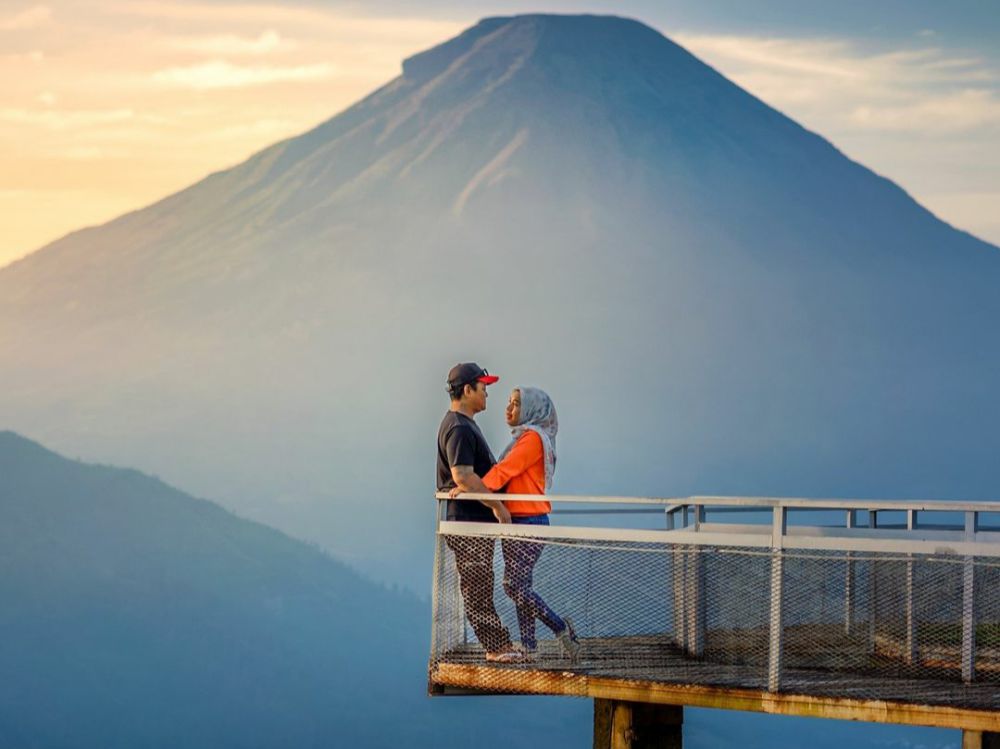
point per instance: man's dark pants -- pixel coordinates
(474, 560)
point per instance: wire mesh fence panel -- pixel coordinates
(987, 618)
(906, 627)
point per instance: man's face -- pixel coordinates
(476, 396)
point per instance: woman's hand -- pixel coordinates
(501, 513)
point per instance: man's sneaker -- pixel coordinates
(528, 655)
(570, 644)
(505, 656)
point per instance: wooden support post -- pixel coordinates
(776, 625)
(980, 740)
(637, 725)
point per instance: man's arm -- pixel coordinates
(467, 481)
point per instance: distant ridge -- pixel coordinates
(135, 615)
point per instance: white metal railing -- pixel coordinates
(963, 533)
(686, 522)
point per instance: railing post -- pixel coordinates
(849, 585)
(694, 602)
(872, 589)
(696, 590)
(969, 605)
(439, 557)
(775, 644)
(678, 563)
(911, 619)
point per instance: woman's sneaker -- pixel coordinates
(570, 644)
(528, 655)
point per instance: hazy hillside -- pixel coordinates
(134, 615)
(718, 300)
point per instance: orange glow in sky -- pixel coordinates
(110, 105)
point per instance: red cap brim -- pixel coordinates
(489, 379)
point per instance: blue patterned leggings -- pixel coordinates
(519, 558)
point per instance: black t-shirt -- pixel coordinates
(460, 443)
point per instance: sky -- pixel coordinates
(109, 105)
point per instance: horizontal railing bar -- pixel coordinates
(599, 511)
(566, 498)
(576, 533)
(931, 505)
(750, 538)
(825, 531)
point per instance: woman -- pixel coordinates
(525, 467)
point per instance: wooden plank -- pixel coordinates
(498, 680)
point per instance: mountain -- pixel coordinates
(717, 299)
(135, 615)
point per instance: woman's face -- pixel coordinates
(514, 408)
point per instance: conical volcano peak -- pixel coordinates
(565, 37)
(610, 82)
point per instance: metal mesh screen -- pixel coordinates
(839, 624)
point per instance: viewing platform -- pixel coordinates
(884, 611)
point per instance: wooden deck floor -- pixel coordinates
(652, 669)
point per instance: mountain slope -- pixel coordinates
(136, 615)
(718, 300)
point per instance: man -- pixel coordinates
(463, 459)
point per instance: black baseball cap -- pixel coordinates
(469, 372)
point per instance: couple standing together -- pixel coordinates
(466, 464)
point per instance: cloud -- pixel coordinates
(958, 112)
(333, 25)
(921, 90)
(223, 74)
(65, 120)
(824, 58)
(231, 44)
(30, 18)
(264, 128)
(85, 153)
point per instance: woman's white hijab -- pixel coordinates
(538, 414)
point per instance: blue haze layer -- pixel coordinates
(718, 300)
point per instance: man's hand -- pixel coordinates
(466, 481)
